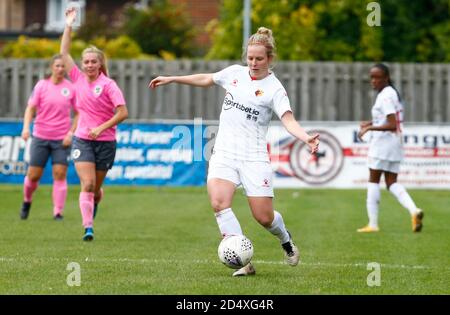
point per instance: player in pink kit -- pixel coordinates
(240, 154)
(101, 106)
(51, 101)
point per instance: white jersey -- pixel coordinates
(387, 145)
(246, 113)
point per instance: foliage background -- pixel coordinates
(410, 31)
(309, 30)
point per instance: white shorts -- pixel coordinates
(255, 176)
(384, 165)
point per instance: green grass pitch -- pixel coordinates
(164, 241)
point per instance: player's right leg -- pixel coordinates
(221, 184)
(372, 201)
(84, 158)
(221, 194)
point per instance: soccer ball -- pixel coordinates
(235, 251)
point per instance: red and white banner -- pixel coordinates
(342, 158)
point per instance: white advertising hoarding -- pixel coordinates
(342, 158)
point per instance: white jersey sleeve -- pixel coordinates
(281, 102)
(222, 77)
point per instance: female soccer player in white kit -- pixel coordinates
(240, 154)
(385, 150)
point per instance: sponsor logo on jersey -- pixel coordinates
(229, 103)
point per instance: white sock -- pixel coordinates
(403, 197)
(278, 229)
(373, 199)
(228, 223)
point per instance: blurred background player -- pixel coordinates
(102, 106)
(51, 102)
(385, 149)
(240, 154)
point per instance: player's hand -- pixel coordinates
(25, 134)
(364, 124)
(362, 132)
(94, 133)
(71, 15)
(159, 81)
(67, 141)
(313, 142)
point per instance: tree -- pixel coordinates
(160, 28)
(337, 30)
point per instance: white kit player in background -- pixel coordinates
(240, 155)
(385, 149)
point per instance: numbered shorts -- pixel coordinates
(101, 153)
(384, 165)
(255, 176)
(41, 149)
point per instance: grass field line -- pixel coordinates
(206, 261)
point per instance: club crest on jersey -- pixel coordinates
(234, 83)
(65, 92)
(265, 182)
(259, 92)
(98, 90)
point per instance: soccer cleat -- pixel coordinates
(368, 229)
(247, 270)
(417, 221)
(88, 234)
(291, 252)
(25, 211)
(58, 217)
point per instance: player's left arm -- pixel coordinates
(390, 125)
(294, 128)
(67, 141)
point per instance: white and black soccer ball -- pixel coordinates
(235, 251)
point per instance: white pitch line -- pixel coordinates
(206, 261)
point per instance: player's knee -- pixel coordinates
(88, 186)
(59, 175)
(265, 221)
(34, 177)
(219, 204)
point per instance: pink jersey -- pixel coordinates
(53, 103)
(96, 103)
